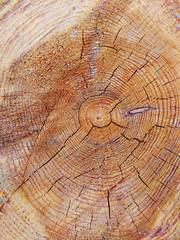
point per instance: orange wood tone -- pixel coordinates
(89, 119)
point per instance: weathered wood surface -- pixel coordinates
(89, 119)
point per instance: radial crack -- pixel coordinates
(164, 184)
(134, 223)
(81, 191)
(109, 206)
(154, 202)
(49, 159)
(136, 71)
(68, 208)
(128, 156)
(165, 161)
(143, 65)
(85, 81)
(117, 124)
(139, 207)
(110, 79)
(130, 139)
(115, 106)
(83, 173)
(117, 35)
(91, 221)
(82, 49)
(132, 75)
(141, 178)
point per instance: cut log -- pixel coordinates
(89, 120)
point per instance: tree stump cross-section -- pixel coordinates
(89, 120)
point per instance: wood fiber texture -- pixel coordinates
(89, 122)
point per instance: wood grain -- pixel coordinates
(89, 119)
